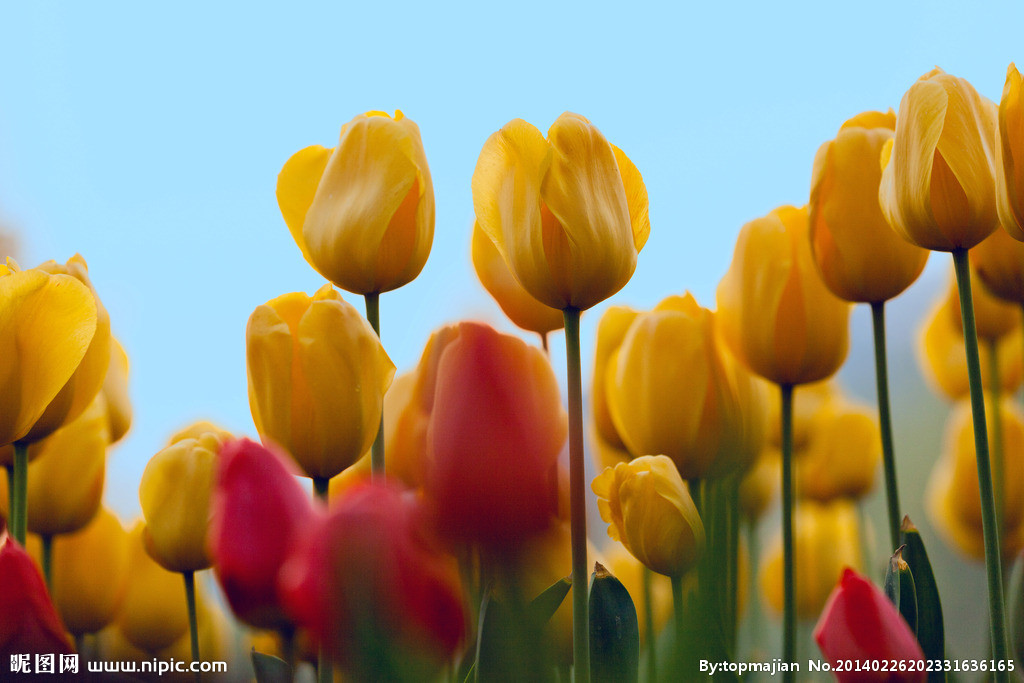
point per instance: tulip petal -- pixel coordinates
(1009, 180)
(296, 187)
(636, 198)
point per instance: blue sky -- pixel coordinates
(148, 137)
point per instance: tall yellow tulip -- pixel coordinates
(842, 457)
(363, 212)
(999, 263)
(611, 330)
(317, 377)
(858, 255)
(1010, 156)
(568, 213)
(993, 317)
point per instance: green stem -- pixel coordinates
(998, 464)
(377, 450)
(193, 626)
(324, 670)
(577, 499)
(753, 592)
(867, 554)
(19, 494)
(892, 495)
(650, 643)
(10, 487)
(990, 530)
(789, 603)
(680, 623)
(732, 591)
(48, 561)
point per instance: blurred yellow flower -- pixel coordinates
(774, 311)
(1010, 156)
(317, 377)
(938, 187)
(115, 392)
(363, 212)
(859, 256)
(47, 323)
(994, 317)
(567, 213)
(630, 571)
(521, 308)
(760, 484)
(806, 403)
(611, 330)
(999, 263)
(842, 456)
(826, 541)
(648, 508)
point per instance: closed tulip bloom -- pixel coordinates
(1010, 156)
(87, 380)
(175, 497)
(859, 256)
(46, 325)
(516, 302)
(370, 573)
(115, 393)
(258, 510)
(669, 391)
(999, 263)
(153, 615)
(861, 624)
(938, 187)
(826, 539)
(363, 212)
(611, 331)
(90, 574)
(28, 622)
(317, 377)
(648, 508)
(568, 213)
(993, 317)
(942, 359)
(774, 311)
(842, 457)
(496, 430)
(953, 496)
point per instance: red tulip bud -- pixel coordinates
(28, 622)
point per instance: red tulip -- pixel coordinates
(258, 509)
(859, 623)
(369, 581)
(495, 433)
(28, 621)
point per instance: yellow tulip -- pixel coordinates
(826, 541)
(938, 187)
(115, 392)
(670, 393)
(943, 361)
(842, 456)
(521, 308)
(630, 572)
(568, 213)
(648, 508)
(317, 377)
(90, 573)
(953, 498)
(175, 497)
(774, 311)
(87, 380)
(999, 263)
(153, 614)
(611, 330)
(363, 212)
(806, 403)
(1010, 156)
(994, 317)
(46, 325)
(859, 256)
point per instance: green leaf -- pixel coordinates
(614, 630)
(509, 646)
(270, 669)
(930, 629)
(544, 606)
(1016, 604)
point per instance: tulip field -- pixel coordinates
(564, 481)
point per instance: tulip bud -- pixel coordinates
(999, 263)
(257, 511)
(993, 317)
(362, 213)
(859, 256)
(825, 539)
(648, 509)
(1010, 156)
(842, 456)
(369, 581)
(317, 377)
(938, 188)
(521, 308)
(90, 573)
(567, 213)
(115, 393)
(175, 497)
(774, 311)
(495, 433)
(953, 497)
(46, 325)
(860, 624)
(28, 622)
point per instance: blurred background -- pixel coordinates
(148, 138)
